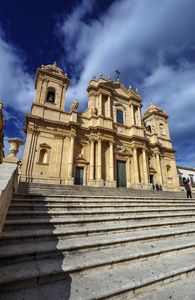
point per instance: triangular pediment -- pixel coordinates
(44, 145)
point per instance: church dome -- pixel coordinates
(54, 69)
(153, 108)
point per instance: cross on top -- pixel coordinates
(118, 73)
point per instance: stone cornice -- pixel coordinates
(48, 123)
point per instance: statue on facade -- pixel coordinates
(75, 104)
(153, 129)
(94, 110)
(123, 149)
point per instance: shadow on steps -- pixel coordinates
(34, 274)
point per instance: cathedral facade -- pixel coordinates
(109, 144)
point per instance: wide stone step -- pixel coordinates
(68, 290)
(79, 200)
(100, 242)
(27, 251)
(81, 221)
(15, 215)
(21, 236)
(178, 290)
(60, 189)
(133, 272)
(157, 195)
(103, 197)
(47, 206)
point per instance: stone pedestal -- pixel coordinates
(91, 182)
(99, 182)
(111, 184)
(70, 181)
(74, 115)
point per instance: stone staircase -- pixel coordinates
(73, 242)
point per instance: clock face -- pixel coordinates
(120, 129)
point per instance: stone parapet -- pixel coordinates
(8, 185)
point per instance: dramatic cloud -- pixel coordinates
(16, 85)
(17, 91)
(174, 91)
(151, 43)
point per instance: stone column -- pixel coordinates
(111, 162)
(62, 101)
(100, 104)
(70, 179)
(43, 91)
(158, 168)
(99, 160)
(91, 174)
(109, 107)
(132, 115)
(56, 161)
(135, 164)
(38, 92)
(139, 116)
(145, 170)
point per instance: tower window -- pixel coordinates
(51, 97)
(168, 171)
(149, 128)
(43, 156)
(119, 117)
(161, 128)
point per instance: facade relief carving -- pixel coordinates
(59, 136)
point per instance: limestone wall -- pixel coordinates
(8, 185)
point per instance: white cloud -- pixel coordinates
(16, 85)
(149, 42)
(174, 91)
(129, 36)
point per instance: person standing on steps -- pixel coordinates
(187, 187)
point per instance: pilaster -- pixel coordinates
(70, 179)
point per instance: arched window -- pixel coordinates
(43, 156)
(149, 128)
(168, 171)
(51, 96)
(119, 116)
(161, 128)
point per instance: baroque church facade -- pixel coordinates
(109, 144)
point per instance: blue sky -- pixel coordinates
(151, 42)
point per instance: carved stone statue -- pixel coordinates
(75, 104)
(153, 129)
(94, 110)
(123, 149)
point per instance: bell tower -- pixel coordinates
(51, 85)
(155, 120)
